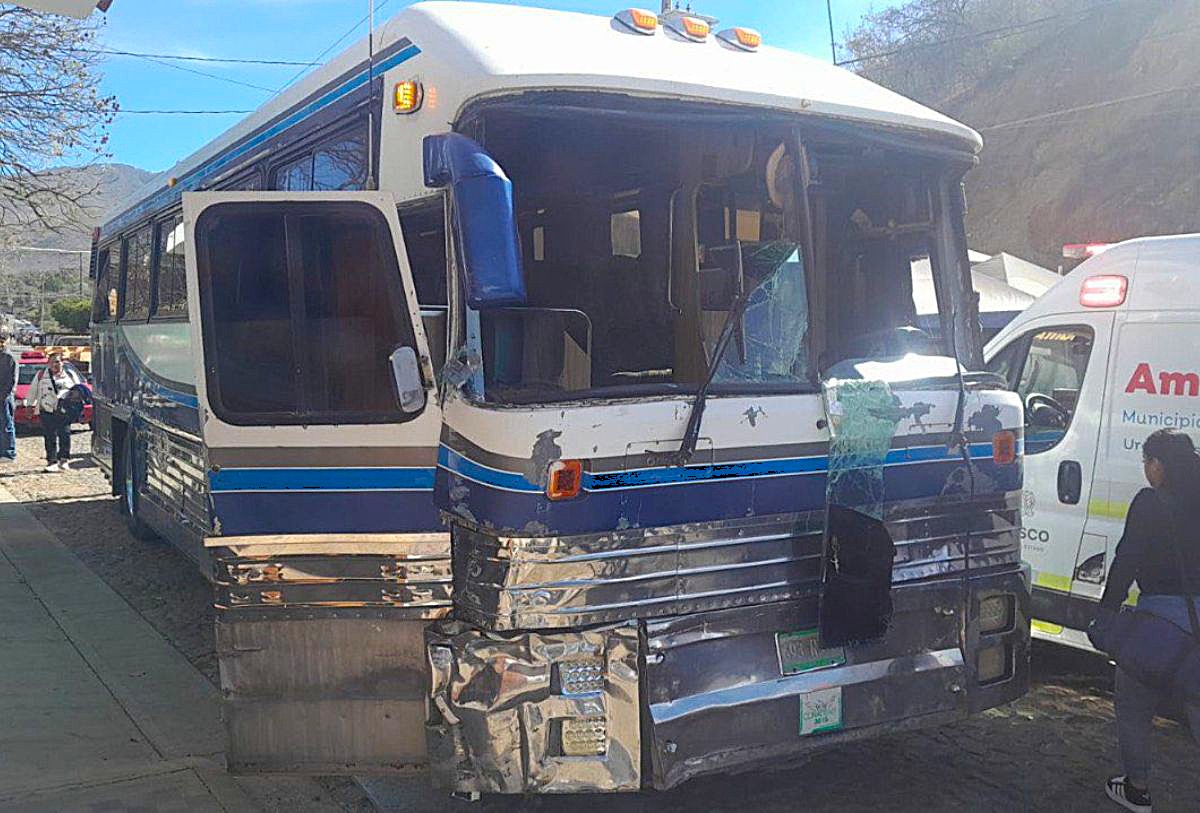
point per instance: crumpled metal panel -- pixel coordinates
(506, 583)
(499, 705)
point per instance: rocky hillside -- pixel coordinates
(1126, 163)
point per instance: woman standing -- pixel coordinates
(1160, 549)
(46, 393)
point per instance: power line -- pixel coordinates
(999, 32)
(183, 112)
(213, 59)
(334, 44)
(1137, 97)
(206, 73)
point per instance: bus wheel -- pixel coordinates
(129, 495)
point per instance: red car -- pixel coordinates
(29, 365)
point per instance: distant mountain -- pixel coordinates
(30, 280)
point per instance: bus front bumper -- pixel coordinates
(653, 703)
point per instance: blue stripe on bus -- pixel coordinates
(511, 481)
(332, 479)
(194, 177)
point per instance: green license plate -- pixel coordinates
(800, 652)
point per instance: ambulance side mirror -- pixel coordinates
(406, 373)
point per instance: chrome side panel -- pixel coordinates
(501, 704)
(175, 480)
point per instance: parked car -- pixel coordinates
(30, 365)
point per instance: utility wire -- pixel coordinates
(213, 59)
(182, 112)
(1137, 97)
(989, 34)
(206, 73)
(334, 44)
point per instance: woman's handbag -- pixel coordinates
(1153, 650)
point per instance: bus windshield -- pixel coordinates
(640, 233)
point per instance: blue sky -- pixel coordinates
(300, 30)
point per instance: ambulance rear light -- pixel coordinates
(744, 39)
(1104, 291)
(1082, 251)
(1004, 448)
(639, 21)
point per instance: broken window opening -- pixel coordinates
(632, 223)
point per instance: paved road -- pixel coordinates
(1052, 750)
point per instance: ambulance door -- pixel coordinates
(1059, 368)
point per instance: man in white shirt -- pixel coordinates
(45, 392)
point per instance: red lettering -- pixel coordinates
(1179, 382)
(1143, 379)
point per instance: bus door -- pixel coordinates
(320, 430)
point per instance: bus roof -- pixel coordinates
(465, 51)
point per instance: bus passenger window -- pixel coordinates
(135, 291)
(340, 165)
(100, 299)
(425, 240)
(172, 282)
(295, 176)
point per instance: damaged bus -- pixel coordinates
(545, 396)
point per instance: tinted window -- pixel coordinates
(136, 289)
(340, 165)
(295, 176)
(100, 299)
(1047, 368)
(172, 280)
(302, 307)
(425, 241)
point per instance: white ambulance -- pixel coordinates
(1101, 360)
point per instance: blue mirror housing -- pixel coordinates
(485, 222)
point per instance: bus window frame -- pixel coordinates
(105, 251)
(156, 270)
(308, 146)
(126, 237)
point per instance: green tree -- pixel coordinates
(72, 314)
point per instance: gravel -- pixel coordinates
(1051, 750)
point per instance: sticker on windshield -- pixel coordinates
(821, 711)
(800, 652)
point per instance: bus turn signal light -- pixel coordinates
(1106, 291)
(638, 20)
(565, 479)
(408, 97)
(1004, 448)
(744, 39)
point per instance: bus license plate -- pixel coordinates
(800, 652)
(821, 711)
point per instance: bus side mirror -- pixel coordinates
(406, 372)
(485, 222)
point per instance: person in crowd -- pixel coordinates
(1161, 517)
(46, 393)
(8, 385)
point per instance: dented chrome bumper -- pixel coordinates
(650, 704)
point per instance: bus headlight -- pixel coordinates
(991, 664)
(584, 736)
(996, 614)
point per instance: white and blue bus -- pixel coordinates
(544, 395)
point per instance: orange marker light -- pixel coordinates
(565, 479)
(1004, 448)
(694, 27)
(407, 97)
(744, 39)
(638, 20)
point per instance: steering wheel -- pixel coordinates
(1035, 398)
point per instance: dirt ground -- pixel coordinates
(1052, 750)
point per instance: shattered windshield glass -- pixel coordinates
(771, 344)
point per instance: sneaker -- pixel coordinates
(51, 468)
(1127, 796)
(64, 465)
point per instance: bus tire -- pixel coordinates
(129, 496)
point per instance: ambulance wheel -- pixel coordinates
(129, 495)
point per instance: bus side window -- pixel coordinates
(135, 286)
(424, 231)
(101, 303)
(171, 297)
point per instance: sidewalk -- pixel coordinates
(97, 710)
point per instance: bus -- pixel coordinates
(543, 394)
